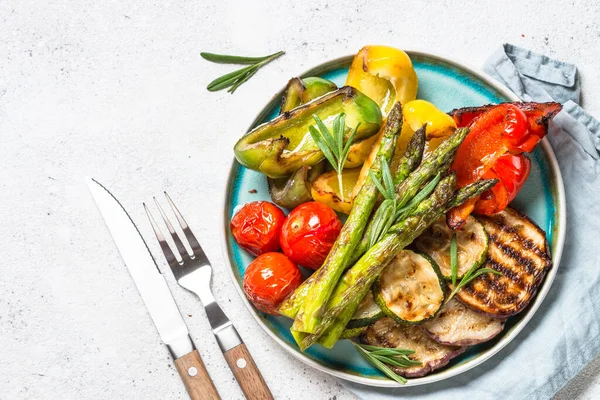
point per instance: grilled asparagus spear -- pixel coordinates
(326, 277)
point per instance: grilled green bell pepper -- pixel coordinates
(300, 91)
(280, 147)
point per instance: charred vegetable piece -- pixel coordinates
(295, 190)
(538, 115)
(420, 112)
(326, 189)
(472, 245)
(410, 289)
(385, 74)
(292, 96)
(367, 312)
(458, 325)
(303, 90)
(519, 251)
(498, 135)
(432, 355)
(350, 333)
(282, 146)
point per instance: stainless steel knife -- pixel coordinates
(155, 293)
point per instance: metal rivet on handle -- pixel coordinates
(192, 371)
(241, 363)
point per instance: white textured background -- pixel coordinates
(116, 90)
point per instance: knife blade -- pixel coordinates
(155, 293)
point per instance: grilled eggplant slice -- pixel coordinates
(410, 289)
(368, 311)
(433, 355)
(518, 249)
(471, 240)
(458, 325)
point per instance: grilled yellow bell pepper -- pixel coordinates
(280, 147)
(385, 74)
(419, 112)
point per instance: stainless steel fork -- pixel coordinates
(193, 272)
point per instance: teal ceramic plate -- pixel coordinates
(448, 84)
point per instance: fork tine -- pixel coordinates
(178, 243)
(171, 259)
(196, 249)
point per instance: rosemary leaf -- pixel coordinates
(422, 195)
(332, 145)
(322, 144)
(453, 259)
(227, 80)
(379, 357)
(243, 79)
(227, 59)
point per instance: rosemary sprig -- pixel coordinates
(333, 146)
(381, 357)
(473, 272)
(233, 80)
(385, 215)
(403, 212)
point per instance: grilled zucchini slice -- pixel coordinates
(472, 244)
(432, 355)
(519, 251)
(367, 312)
(410, 289)
(458, 325)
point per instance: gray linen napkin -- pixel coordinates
(564, 334)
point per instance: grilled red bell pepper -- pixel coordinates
(492, 149)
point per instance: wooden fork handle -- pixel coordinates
(195, 377)
(247, 374)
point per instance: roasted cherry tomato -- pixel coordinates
(257, 226)
(308, 234)
(269, 279)
(498, 134)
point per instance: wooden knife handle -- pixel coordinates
(195, 377)
(247, 374)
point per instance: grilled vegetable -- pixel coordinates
(433, 355)
(538, 116)
(385, 74)
(280, 147)
(368, 311)
(420, 112)
(410, 289)
(350, 333)
(498, 135)
(519, 251)
(326, 277)
(472, 244)
(295, 190)
(269, 279)
(308, 234)
(326, 189)
(458, 325)
(256, 227)
(301, 91)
